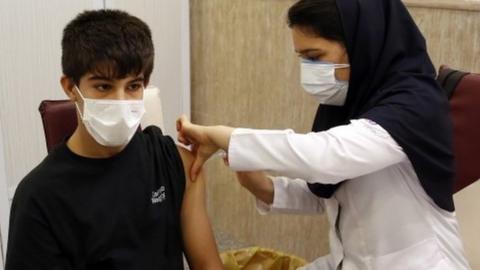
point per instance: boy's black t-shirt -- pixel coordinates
(121, 212)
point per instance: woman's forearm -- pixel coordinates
(220, 136)
(259, 184)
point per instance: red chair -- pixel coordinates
(59, 121)
(463, 90)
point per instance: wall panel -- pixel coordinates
(245, 73)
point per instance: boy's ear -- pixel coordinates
(68, 86)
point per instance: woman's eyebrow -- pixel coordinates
(305, 51)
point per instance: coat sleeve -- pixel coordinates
(344, 152)
(291, 196)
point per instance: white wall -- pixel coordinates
(4, 204)
(29, 72)
(30, 69)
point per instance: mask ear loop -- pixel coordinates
(143, 100)
(341, 66)
(76, 103)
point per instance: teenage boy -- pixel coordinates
(111, 196)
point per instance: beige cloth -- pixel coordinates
(255, 258)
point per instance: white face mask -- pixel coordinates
(318, 79)
(111, 122)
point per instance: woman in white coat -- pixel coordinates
(379, 160)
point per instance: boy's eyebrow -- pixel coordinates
(102, 78)
(139, 78)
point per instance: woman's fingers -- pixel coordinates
(182, 121)
(195, 135)
(183, 135)
(183, 139)
(188, 132)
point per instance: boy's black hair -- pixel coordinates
(110, 43)
(320, 17)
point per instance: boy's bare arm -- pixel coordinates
(200, 247)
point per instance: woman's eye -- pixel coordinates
(310, 58)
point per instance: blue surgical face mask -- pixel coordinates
(318, 79)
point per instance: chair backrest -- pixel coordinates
(60, 119)
(463, 90)
(153, 108)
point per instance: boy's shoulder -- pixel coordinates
(39, 180)
(181, 155)
(155, 139)
(154, 132)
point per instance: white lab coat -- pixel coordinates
(380, 219)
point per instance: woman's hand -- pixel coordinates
(196, 136)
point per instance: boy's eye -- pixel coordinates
(135, 87)
(103, 87)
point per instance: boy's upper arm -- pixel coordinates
(200, 246)
(187, 160)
